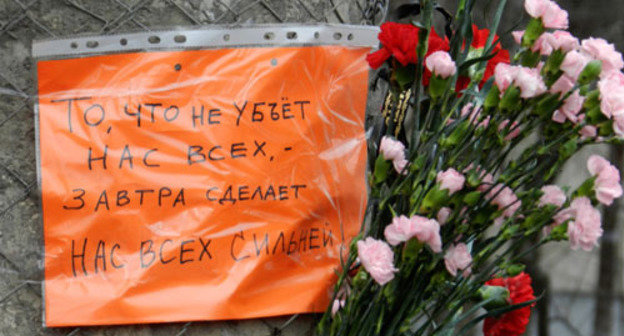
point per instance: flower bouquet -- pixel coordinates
(461, 162)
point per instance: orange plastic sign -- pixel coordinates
(199, 185)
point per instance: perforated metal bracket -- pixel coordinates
(211, 37)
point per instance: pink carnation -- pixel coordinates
(394, 150)
(399, 165)
(585, 230)
(400, 230)
(607, 184)
(590, 131)
(441, 64)
(557, 40)
(563, 40)
(574, 63)
(504, 75)
(505, 199)
(570, 108)
(450, 180)
(612, 95)
(391, 149)
(443, 215)
(530, 82)
(535, 8)
(458, 258)
(563, 216)
(424, 229)
(551, 14)
(554, 17)
(552, 195)
(562, 86)
(378, 259)
(600, 49)
(428, 231)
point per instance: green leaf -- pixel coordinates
(415, 195)
(419, 163)
(457, 135)
(559, 232)
(585, 189)
(381, 169)
(568, 148)
(468, 63)
(404, 76)
(472, 198)
(605, 128)
(412, 249)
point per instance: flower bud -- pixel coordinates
(437, 86)
(534, 29)
(435, 198)
(493, 98)
(515, 269)
(360, 279)
(497, 295)
(511, 99)
(591, 72)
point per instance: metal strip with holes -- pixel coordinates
(210, 37)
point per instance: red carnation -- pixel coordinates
(400, 40)
(479, 39)
(514, 322)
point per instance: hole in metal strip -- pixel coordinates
(317, 35)
(350, 37)
(123, 41)
(74, 45)
(291, 35)
(337, 36)
(153, 39)
(226, 37)
(179, 38)
(269, 36)
(92, 44)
